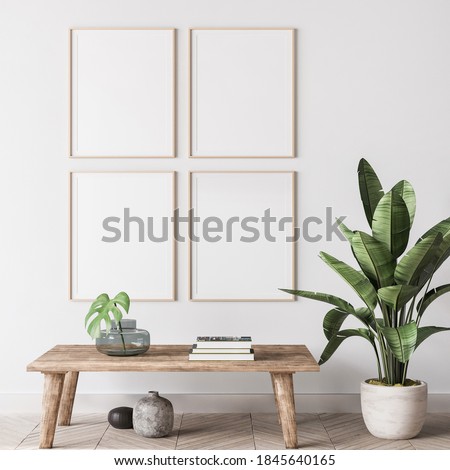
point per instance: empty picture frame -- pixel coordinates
(234, 255)
(121, 235)
(122, 92)
(242, 92)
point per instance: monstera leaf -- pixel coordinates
(101, 309)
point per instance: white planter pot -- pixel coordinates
(394, 412)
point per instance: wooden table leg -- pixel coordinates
(284, 396)
(276, 400)
(68, 397)
(53, 386)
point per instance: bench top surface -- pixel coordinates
(173, 358)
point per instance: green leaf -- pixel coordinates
(425, 332)
(370, 189)
(401, 340)
(419, 263)
(348, 234)
(442, 227)
(322, 297)
(333, 320)
(100, 311)
(123, 300)
(391, 223)
(94, 327)
(443, 252)
(405, 190)
(340, 337)
(430, 297)
(376, 261)
(397, 296)
(356, 279)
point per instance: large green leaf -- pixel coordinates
(397, 296)
(100, 311)
(391, 223)
(370, 189)
(425, 332)
(405, 190)
(322, 297)
(430, 297)
(356, 279)
(418, 264)
(334, 319)
(348, 234)
(341, 336)
(401, 340)
(442, 227)
(376, 261)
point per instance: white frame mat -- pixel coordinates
(242, 93)
(122, 93)
(229, 268)
(110, 250)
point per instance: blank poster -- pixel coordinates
(110, 247)
(236, 255)
(242, 93)
(122, 93)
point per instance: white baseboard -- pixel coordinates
(211, 403)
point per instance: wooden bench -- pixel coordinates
(62, 364)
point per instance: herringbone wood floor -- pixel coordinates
(222, 431)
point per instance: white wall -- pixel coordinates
(373, 81)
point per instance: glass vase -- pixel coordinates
(123, 339)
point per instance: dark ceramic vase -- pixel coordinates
(121, 417)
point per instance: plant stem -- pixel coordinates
(382, 352)
(420, 313)
(402, 315)
(380, 373)
(411, 310)
(124, 347)
(405, 370)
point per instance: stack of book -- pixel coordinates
(222, 348)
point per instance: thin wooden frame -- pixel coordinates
(292, 127)
(173, 266)
(173, 93)
(294, 244)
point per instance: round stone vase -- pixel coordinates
(153, 416)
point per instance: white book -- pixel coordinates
(207, 342)
(222, 357)
(196, 350)
(223, 344)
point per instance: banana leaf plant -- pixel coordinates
(100, 311)
(395, 290)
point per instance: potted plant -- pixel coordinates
(395, 291)
(120, 337)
